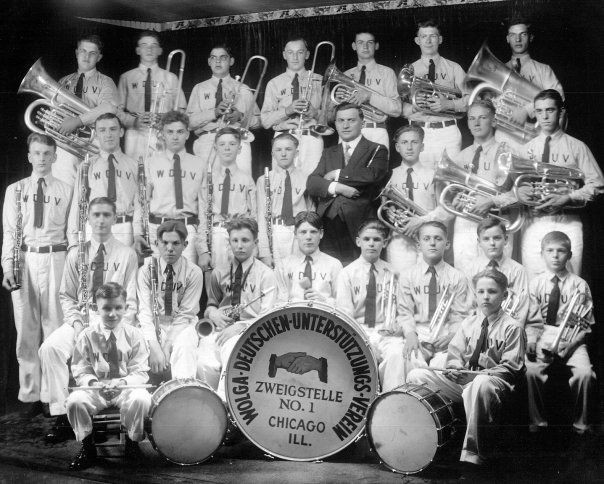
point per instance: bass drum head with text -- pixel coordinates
(188, 421)
(300, 382)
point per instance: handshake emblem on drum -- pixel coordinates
(298, 363)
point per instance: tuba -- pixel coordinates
(397, 209)
(44, 116)
(513, 92)
(465, 188)
(420, 90)
(344, 90)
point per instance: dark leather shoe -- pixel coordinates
(133, 451)
(85, 458)
(60, 431)
(31, 409)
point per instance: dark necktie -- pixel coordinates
(287, 210)
(517, 66)
(476, 159)
(362, 76)
(432, 292)
(409, 183)
(479, 345)
(113, 357)
(39, 205)
(493, 264)
(226, 190)
(296, 88)
(554, 303)
(148, 85)
(111, 193)
(370, 299)
(545, 155)
(432, 71)
(218, 93)
(97, 272)
(177, 182)
(168, 292)
(236, 298)
(80, 86)
(308, 269)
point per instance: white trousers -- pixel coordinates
(310, 150)
(533, 231)
(65, 168)
(222, 253)
(436, 140)
(133, 404)
(482, 400)
(402, 252)
(203, 148)
(284, 243)
(388, 351)
(37, 314)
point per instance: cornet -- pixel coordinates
(397, 209)
(437, 322)
(419, 91)
(465, 188)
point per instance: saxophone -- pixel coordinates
(153, 268)
(18, 239)
(268, 213)
(82, 256)
(142, 199)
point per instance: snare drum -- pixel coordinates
(187, 421)
(408, 425)
(300, 381)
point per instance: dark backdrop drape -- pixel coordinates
(567, 37)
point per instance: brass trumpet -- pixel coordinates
(397, 209)
(465, 188)
(346, 88)
(437, 322)
(419, 91)
(45, 116)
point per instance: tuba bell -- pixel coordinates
(512, 90)
(397, 209)
(346, 88)
(465, 188)
(44, 116)
(419, 90)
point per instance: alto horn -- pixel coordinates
(463, 189)
(396, 210)
(419, 91)
(45, 116)
(346, 88)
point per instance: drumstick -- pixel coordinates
(459, 370)
(119, 387)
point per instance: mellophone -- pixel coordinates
(304, 416)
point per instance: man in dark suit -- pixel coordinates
(345, 183)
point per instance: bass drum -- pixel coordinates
(187, 421)
(300, 381)
(408, 425)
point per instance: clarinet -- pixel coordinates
(210, 210)
(142, 198)
(268, 213)
(153, 267)
(18, 240)
(82, 256)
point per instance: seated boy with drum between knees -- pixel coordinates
(109, 354)
(485, 359)
(238, 293)
(366, 289)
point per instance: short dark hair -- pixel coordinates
(345, 106)
(111, 290)
(409, 128)
(102, 201)
(241, 223)
(550, 94)
(41, 138)
(434, 223)
(221, 46)
(424, 24)
(359, 32)
(296, 38)
(108, 116)
(313, 218)
(93, 39)
(288, 136)
(228, 130)
(173, 226)
(556, 236)
(519, 20)
(375, 224)
(148, 33)
(483, 103)
(488, 223)
(499, 277)
(175, 117)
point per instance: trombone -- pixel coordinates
(181, 70)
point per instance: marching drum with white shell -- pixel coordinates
(408, 425)
(300, 381)
(187, 422)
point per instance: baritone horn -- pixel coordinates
(346, 88)
(462, 190)
(45, 116)
(420, 91)
(512, 90)
(396, 208)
